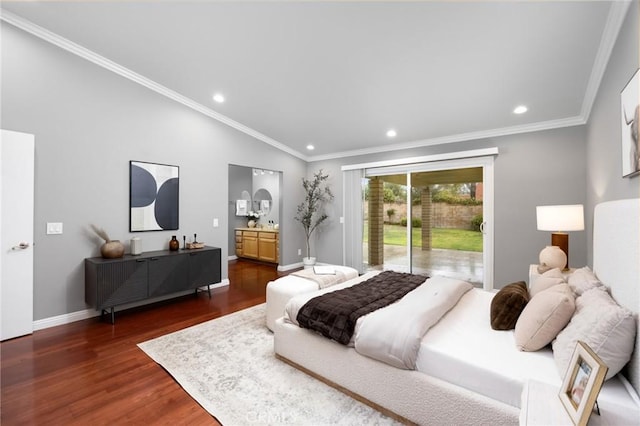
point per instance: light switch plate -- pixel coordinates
(54, 228)
(215, 222)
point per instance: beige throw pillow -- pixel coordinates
(548, 279)
(608, 328)
(582, 280)
(546, 314)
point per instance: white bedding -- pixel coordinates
(462, 349)
(393, 334)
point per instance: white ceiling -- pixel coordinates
(339, 74)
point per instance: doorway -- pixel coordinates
(16, 233)
(253, 191)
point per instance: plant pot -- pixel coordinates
(308, 262)
(251, 224)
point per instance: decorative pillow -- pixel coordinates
(548, 279)
(546, 314)
(507, 305)
(608, 328)
(583, 279)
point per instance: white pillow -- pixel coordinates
(548, 279)
(583, 279)
(608, 328)
(544, 317)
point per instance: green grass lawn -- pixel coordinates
(451, 239)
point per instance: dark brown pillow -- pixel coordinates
(507, 305)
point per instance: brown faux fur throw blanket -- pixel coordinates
(334, 314)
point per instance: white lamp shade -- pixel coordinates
(560, 218)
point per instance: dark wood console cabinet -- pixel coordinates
(112, 282)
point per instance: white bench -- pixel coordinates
(284, 288)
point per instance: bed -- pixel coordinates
(460, 378)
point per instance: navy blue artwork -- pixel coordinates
(167, 205)
(154, 197)
(143, 187)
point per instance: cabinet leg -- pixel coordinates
(209, 290)
(111, 313)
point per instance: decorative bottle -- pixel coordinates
(174, 245)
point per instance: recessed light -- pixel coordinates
(219, 98)
(520, 109)
(311, 147)
(391, 133)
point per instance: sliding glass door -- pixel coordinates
(429, 219)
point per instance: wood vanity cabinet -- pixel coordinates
(112, 282)
(259, 244)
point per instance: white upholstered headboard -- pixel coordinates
(616, 261)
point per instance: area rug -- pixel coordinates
(228, 366)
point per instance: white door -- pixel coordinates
(16, 233)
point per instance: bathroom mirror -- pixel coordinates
(262, 201)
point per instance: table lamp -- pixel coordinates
(560, 220)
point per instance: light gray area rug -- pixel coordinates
(229, 367)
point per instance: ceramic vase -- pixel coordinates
(136, 246)
(174, 245)
(251, 224)
(112, 249)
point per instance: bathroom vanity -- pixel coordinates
(258, 243)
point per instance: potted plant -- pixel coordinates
(310, 213)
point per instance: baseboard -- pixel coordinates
(90, 313)
(289, 267)
(233, 257)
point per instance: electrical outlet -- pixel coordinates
(299, 252)
(341, 219)
(215, 222)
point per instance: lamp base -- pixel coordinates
(561, 239)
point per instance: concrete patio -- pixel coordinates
(464, 265)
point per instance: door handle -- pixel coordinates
(21, 246)
(482, 227)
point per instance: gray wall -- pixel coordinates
(604, 157)
(88, 124)
(531, 169)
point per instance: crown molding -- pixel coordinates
(462, 137)
(615, 19)
(122, 71)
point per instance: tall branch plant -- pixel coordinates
(310, 212)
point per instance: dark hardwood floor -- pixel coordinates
(91, 372)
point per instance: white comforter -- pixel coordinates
(393, 334)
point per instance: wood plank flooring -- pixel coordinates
(92, 373)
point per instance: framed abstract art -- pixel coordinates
(153, 196)
(629, 101)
